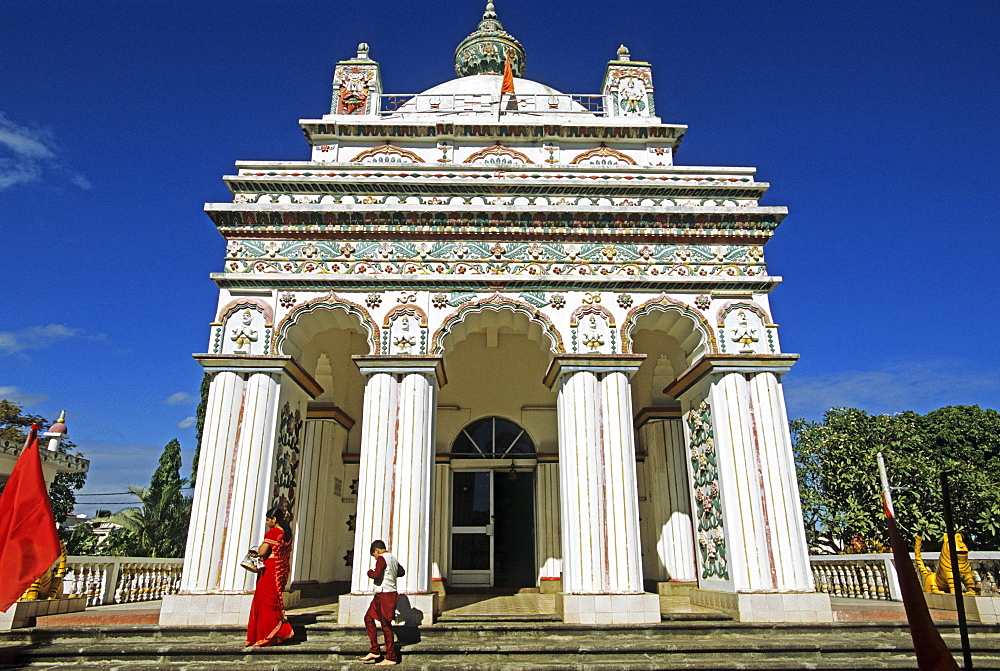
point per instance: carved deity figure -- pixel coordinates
(744, 335)
(353, 92)
(592, 338)
(632, 94)
(243, 334)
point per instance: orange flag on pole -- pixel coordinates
(507, 86)
(29, 543)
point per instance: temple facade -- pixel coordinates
(507, 333)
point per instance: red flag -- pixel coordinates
(507, 86)
(932, 653)
(29, 543)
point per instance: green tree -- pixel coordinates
(155, 528)
(14, 426)
(839, 486)
(206, 384)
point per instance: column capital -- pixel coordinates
(650, 414)
(595, 363)
(402, 363)
(239, 363)
(328, 411)
(714, 364)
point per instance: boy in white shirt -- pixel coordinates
(383, 606)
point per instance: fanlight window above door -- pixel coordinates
(493, 438)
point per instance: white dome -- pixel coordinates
(478, 94)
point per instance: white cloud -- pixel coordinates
(37, 337)
(180, 398)
(186, 423)
(917, 386)
(23, 399)
(26, 153)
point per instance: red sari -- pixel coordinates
(267, 623)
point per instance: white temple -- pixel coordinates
(511, 337)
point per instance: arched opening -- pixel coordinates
(493, 506)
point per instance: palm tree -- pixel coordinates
(158, 527)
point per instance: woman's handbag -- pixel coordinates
(252, 562)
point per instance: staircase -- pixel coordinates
(494, 645)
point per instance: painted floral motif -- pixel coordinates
(558, 301)
(374, 300)
(287, 300)
(702, 302)
(347, 249)
(351, 522)
(349, 558)
(625, 300)
(440, 301)
(705, 471)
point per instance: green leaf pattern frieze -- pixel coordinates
(492, 257)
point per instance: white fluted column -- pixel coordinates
(441, 527)
(395, 483)
(757, 526)
(234, 485)
(322, 446)
(548, 528)
(599, 499)
(668, 532)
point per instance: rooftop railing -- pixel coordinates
(491, 104)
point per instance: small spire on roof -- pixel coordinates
(363, 51)
(623, 54)
(491, 12)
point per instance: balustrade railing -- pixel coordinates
(486, 103)
(107, 580)
(873, 576)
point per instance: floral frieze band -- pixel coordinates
(705, 476)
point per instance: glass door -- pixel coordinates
(472, 529)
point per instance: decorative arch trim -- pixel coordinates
(744, 305)
(665, 303)
(602, 151)
(496, 302)
(330, 302)
(242, 303)
(387, 149)
(584, 310)
(499, 150)
(405, 310)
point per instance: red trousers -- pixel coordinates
(383, 609)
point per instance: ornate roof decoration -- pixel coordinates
(387, 153)
(602, 156)
(499, 155)
(484, 51)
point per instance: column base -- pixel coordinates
(550, 585)
(23, 613)
(985, 609)
(608, 608)
(212, 609)
(412, 609)
(674, 587)
(767, 606)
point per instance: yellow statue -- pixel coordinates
(943, 581)
(50, 584)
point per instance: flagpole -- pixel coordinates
(886, 494)
(956, 576)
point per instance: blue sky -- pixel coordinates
(875, 123)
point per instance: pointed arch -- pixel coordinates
(390, 150)
(666, 303)
(499, 151)
(751, 306)
(604, 152)
(496, 303)
(329, 302)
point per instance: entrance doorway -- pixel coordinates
(493, 508)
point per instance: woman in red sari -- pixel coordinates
(267, 624)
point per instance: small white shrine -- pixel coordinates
(509, 335)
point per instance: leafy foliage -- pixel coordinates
(839, 485)
(206, 384)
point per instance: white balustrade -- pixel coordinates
(107, 580)
(873, 576)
